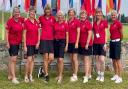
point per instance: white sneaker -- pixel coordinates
(15, 81)
(114, 77)
(73, 78)
(26, 79)
(90, 76)
(102, 78)
(98, 78)
(31, 78)
(59, 80)
(119, 80)
(85, 79)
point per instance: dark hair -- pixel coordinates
(71, 9)
(32, 9)
(47, 7)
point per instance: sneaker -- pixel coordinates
(98, 78)
(90, 76)
(114, 77)
(119, 80)
(59, 81)
(31, 78)
(15, 81)
(73, 78)
(85, 79)
(46, 79)
(40, 72)
(102, 79)
(26, 79)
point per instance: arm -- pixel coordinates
(24, 40)
(88, 39)
(67, 40)
(121, 32)
(38, 43)
(78, 36)
(7, 45)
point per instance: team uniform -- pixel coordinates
(31, 36)
(99, 37)
(73, 25)
(85, 26)
(115, 43)
(15, 29)
(60, 30)
(47, 34)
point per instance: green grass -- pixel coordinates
(39, 84)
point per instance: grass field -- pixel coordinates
(66, 84)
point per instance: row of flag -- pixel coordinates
(64, 5)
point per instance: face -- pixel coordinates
(60, 16)
(32, 14)
(99, 15)
(47, 12)
(114, 16)
(71, 14)
(83, 16)
(16, 13)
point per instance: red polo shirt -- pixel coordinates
(60, 30)
(115, 28)
(47, 25)
(85, 26)
(99, 32)
(73, 25)
(31, 32)
(15, 29)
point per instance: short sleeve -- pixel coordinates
(66, 27)
(120, 25)
(78, 23)
(8, 25)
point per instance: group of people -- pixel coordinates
(53, 37)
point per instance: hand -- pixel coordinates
(105, 47)
(25, 48)
(66, 48)
(76, 45)
(86, 46)
(37, 45)
(8, 45)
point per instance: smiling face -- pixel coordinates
(32, 13)
(83, 16)
(71, 14)
(60, 16)
(113, 16)
(16, 13)
(47, 12)
(99, 14)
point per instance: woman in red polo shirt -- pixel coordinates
(116, 35)
(60, 42)
(46, 41)
(31, 37)
(85, 47)
(14, 30)
(74, 35)
(99, 43)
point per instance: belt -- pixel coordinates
(115, 40)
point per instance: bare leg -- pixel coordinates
(46, 63)
(75, 61)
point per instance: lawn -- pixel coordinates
(39, 84)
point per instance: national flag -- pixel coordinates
(71, 3)
(115, 4)
(87, 5)
(27, 5)
(10, 3)
(33, 2)
(93, 7)
(44, 2)
(119, 5)
(58, 5)
(100, 4)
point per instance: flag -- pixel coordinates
(119, 5)
(64, 7)
(93, 7)
(7, 5)
(19, 3)
(49, 2)
(58, 5)
(2, 4)
(32, 2)
(10, 3)
(27, 5)
(87, 5)
(39, 8)
(100, 4)
(71, 3)
(115, 6)
(111, 4)
(44, 2)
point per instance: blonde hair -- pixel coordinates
(15, 8)
(114, 12)
(97, 11)
(47, 7)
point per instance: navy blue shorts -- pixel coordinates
(13, 50)
(115, 50)
(83, 51)
(31, 50)
(59, 46)
(98, 49)
(46, 46)
(71, 48)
